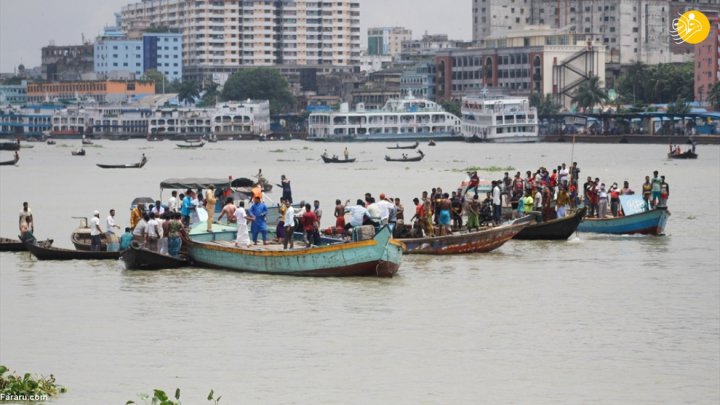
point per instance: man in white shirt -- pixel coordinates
(289, 227)
(152, 233)
(141, 229)
(357, 214)
(26, 219)
(241, 217)
(110, 226)
(173, 203)
(497, 202)
(384, 207)
(563, 174)
(95, 231)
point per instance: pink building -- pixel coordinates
(707, 60)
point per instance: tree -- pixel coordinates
(544, 105)
(260, 84)
(589, 93)
(210, 97)
(157, 77)
(661, 83)
(188, 92)
(714, 96)
(452, 106)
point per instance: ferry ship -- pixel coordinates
(407, 119)
(501, 120)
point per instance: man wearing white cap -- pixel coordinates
(95, 231)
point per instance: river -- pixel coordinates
(595, 319)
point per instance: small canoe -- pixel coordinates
(53, 253)
(418, 158)
(480, 241)
(51, 142)
(685, 155)
(80, 152)
(190, 145)
(413, 146)
(336, 160)
(87, 142)
(139, 258)
(646, 223)
(556, 229)
(431, 143)
(15, 245)
(129, 166)
(10, 145)
(10, 162)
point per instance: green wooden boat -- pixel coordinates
(378, 256)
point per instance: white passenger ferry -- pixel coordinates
(503, 120)
(407, 119)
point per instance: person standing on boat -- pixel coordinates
(444, 217)
(187, 207)
(647, 192)
(153, 233)
(173, 204)
(289, 225)
(258, 212)
(614, 199)
(136, 215)
(310, 226)
(456, 213)
(95, 231)
(228, 211)
(26, 219)
(473, 210)
(339, 215)
(655, 189)
(126, 238)
(497, 202)
(285, 185)
(110, 236)
(563, 174)
(563, 201)
(210, 201)
(175, 231)
(399, 212)
(346, 153)
(602, 201)
(664, 192)
(241, 218)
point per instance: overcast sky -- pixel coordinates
(28, 25)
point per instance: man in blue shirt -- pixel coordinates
(126, 239)
(258, 211)
(187, 207)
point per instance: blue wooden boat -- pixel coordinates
(378, 256)
(647, 223)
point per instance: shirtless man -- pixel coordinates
(228, 211)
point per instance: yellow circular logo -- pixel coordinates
(692, 27)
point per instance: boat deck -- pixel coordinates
(270, 247)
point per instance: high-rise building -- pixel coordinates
(707, 60)
(630, 30)
(117, 54)
(387, 40)
(221, 36)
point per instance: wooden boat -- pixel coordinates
(16, 245)
(51, 141)
(463, 242)
(139, 258)
(647, 223)
(79, 152)
(129, 166)
(556, 229)
(87, 142)
(418, 158)
(80, 237)
(11, 162)
(336, 159)
(431, 143)
(685, 155)
(10, 145)
(53, 253)
(397, 146)
(377, 256)
(190, 145)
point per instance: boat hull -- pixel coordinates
(331, 160)
(685, 155)
(469, 242)
(137, 258)
(500, 139)
(379, 257)
(15, 245)
(556, 229)
(52, 253)
(646, 223)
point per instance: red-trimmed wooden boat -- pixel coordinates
(556, 229)
(53, 253)
(463, 242)
(139, 258)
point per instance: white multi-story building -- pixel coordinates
(220, 36)
(115, 53)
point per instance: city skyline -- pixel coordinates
(90, 16)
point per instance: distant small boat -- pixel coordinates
(79, 152)
(335, 159)
(53, 253)
(128, 166)
(685, 155)
(190, 145)
(431, 143)
(139, 258)
(87, 142)
(51, 141)
(397, 146)
(407, 159)
(9, 145)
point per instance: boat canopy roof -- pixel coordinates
(204, 182)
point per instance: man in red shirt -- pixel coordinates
(311, 226)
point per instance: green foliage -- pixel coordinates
(27, 385)
(210, 98)
(260, 84)
(158, 78)
(714, 96)
(662, 83)
(589, 93)
(160, 397)
(545, 105)
(452, 106)
(188, 92)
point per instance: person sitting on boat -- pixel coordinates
(404, 156)
(325, 154)
(126, 238)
